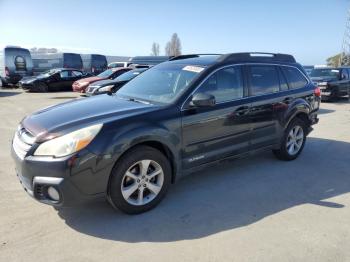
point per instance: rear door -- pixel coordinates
(264, 89)
(212, 133)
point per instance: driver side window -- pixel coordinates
(64, 74)
(226, 84)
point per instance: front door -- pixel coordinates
(344, 82)
(212, 133)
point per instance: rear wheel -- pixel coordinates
(293, 140)
(140, 180)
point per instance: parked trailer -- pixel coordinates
(118, 64)
(93, 63)
(15, 63)
(149, 60)
(111, 58)
(45, 62)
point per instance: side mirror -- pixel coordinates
(202, 100)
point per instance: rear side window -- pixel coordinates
(65, 74)
(283, 81)
(226, 84)
(263, 80)
(295, 77)
(77, 73)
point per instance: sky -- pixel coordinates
(311, 30)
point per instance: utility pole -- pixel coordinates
(345, 53)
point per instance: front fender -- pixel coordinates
(143, 134)
(114, 142)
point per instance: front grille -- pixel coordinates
(39, 190)
(22, 142)
(91, 89)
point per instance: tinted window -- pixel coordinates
(344, 74)
(106, 74)
(263, 80)
(294, 77)
(77, 73)
(225, 85)
(129, 75)
(283, 81)
(118, 73)
(64, 74)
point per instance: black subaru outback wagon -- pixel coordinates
(176, 117)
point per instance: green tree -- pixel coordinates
(334, 61)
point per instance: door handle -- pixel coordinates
(242, 111)
(287, 100)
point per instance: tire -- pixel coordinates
(2, 83)
(42, 87)
(133, 191)
(296, 127)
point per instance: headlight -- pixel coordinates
(106, 88)
(69, 143)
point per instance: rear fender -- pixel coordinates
(299, 106)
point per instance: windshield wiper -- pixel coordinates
(133, 99)
(138, 101)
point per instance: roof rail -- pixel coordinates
(189, 56)
(257, 57)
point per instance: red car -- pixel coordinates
(81, 85)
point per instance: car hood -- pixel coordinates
(75, 114)
(104, 82)
(28, 80)
(90, 79)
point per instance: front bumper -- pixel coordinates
(25, 86)
(72, 177)
(79, 88)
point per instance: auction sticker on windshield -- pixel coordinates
(195, 69)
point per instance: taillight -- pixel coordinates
(7, 71)
(317, 91)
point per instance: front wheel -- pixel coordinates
(42, 87)
(2, 83)
(293, 141)
(139, 180)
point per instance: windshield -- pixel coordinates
(47, 73)
(106, 74)
(325, 72)
(161, 84)
(129, 75)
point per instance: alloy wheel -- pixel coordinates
(142, 182)
(295, 140)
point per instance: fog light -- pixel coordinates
(53, 193)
